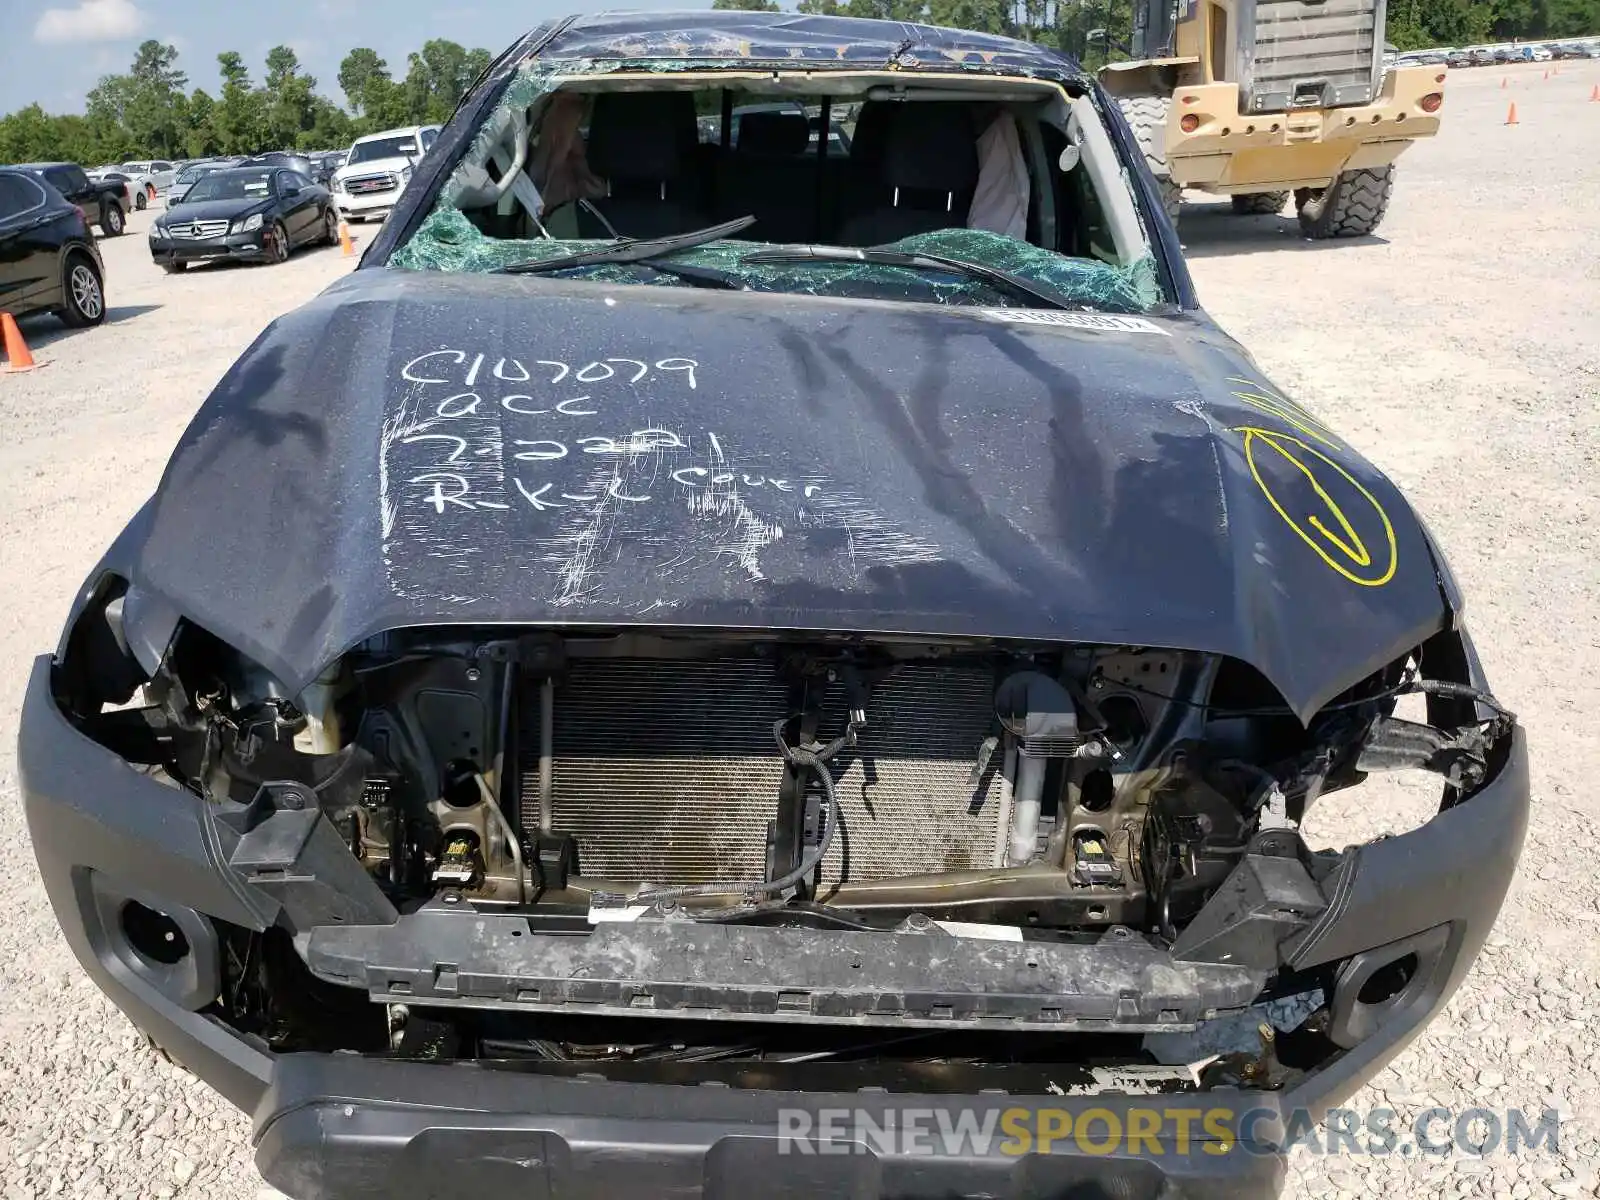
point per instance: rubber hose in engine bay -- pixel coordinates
(803, 758)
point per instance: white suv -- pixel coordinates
(377, 170)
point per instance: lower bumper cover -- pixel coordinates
(401, 1130)
(340, 1125)
(245, 246)
(380, 204)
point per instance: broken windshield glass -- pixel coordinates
(448, 241)
(536, 187)
(825, 256)
(629, 250)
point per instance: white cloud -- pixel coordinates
(90, 21)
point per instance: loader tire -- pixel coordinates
(1147, 117)
(1268, 204)
(1351, 206)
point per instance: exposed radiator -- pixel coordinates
(664, 771)
(909, 802)
(667, 771)
(1314, 53)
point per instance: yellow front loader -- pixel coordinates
(1257, 99)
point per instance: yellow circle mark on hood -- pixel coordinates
(1331, 534)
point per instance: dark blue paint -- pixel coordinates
(1054, 484)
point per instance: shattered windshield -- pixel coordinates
(448, 241)
(1020, 179)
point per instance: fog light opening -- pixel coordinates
(153, 935)
(1388, 981)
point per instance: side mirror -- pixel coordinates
(292, 190)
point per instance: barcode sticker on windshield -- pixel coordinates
(1106, 322)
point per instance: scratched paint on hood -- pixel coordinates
(421, 448)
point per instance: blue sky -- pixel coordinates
(53, 51)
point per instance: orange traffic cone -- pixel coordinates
(1547, 73)
(17, 356)
(344, 239)
(1594, 94)
(1502, 83)
(1511, 114)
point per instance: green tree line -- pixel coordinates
(1096, 31)
(149, 112)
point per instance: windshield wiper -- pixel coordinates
(708, 277)
(632, 250)
(916, 262)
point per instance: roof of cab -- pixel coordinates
(799, 40)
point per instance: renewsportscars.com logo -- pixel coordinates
(1152, 1131)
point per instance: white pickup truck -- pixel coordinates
(152, 178)
(377, 170)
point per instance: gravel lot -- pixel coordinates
(1460, 350)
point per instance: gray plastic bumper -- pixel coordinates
(339, 1125)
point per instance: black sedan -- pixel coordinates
(258, 214)
(48, 259)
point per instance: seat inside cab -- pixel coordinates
(866, 167)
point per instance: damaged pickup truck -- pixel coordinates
(712, 621)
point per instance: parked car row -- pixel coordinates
(148, 180)
(254, 209)
(144, 180)
(257, 212)
(366, 179)
(1488, 56)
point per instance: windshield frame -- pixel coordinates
(465, 132)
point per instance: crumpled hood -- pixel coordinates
(419, 448)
